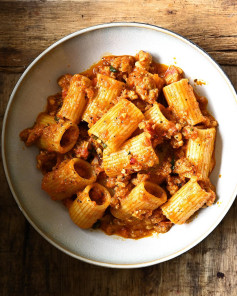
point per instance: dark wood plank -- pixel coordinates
(29, 27)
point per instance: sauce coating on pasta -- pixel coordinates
(127, 146)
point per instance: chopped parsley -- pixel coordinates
(56, 118)
(104, 145)
(112, 69)
(100, 142)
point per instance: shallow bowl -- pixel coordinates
(76, 53)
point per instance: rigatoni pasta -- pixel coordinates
(134, 155)
(90, 205)
(181, 98)
(75, 101)
(155, 115)
(143, 199)
(108, 91)
(117, 125)
(118, 155)
(185, 202)
(200, 151)
(44, 119)
(59, 137)
(68, 178)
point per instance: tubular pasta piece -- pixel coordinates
(157, 117)
(75, 101)
(200, 151)
(118, 124)
(146, 196)
(59, 137)
(31, 135)
(90, 205)
(45, 119)
(68, 178)
(134, 155)
(109, 90)
(181, 98)
(185, 202)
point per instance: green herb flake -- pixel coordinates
(56, 118)
(112, 69)
(104, 145)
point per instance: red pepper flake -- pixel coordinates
(64, 93)
(132, 160)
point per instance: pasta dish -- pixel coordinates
(127, 146)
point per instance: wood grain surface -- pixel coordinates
(31, 266)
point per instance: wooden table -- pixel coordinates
(31, 266)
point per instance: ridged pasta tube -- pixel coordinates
(157, 117)
(109, 89)
(181, 98)
(200, 151)
(68, 178)
(59, 137)
(118, 124)
(45, 119)
(75, 101)
(145, 197)
(185, 202)
(90, 205)
(134, 155)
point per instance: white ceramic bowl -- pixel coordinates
(74, 54)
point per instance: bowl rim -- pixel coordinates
(32, 64)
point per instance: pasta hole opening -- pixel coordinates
(156, 191)
(82, 170)
(97, 195)
(68, 137)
